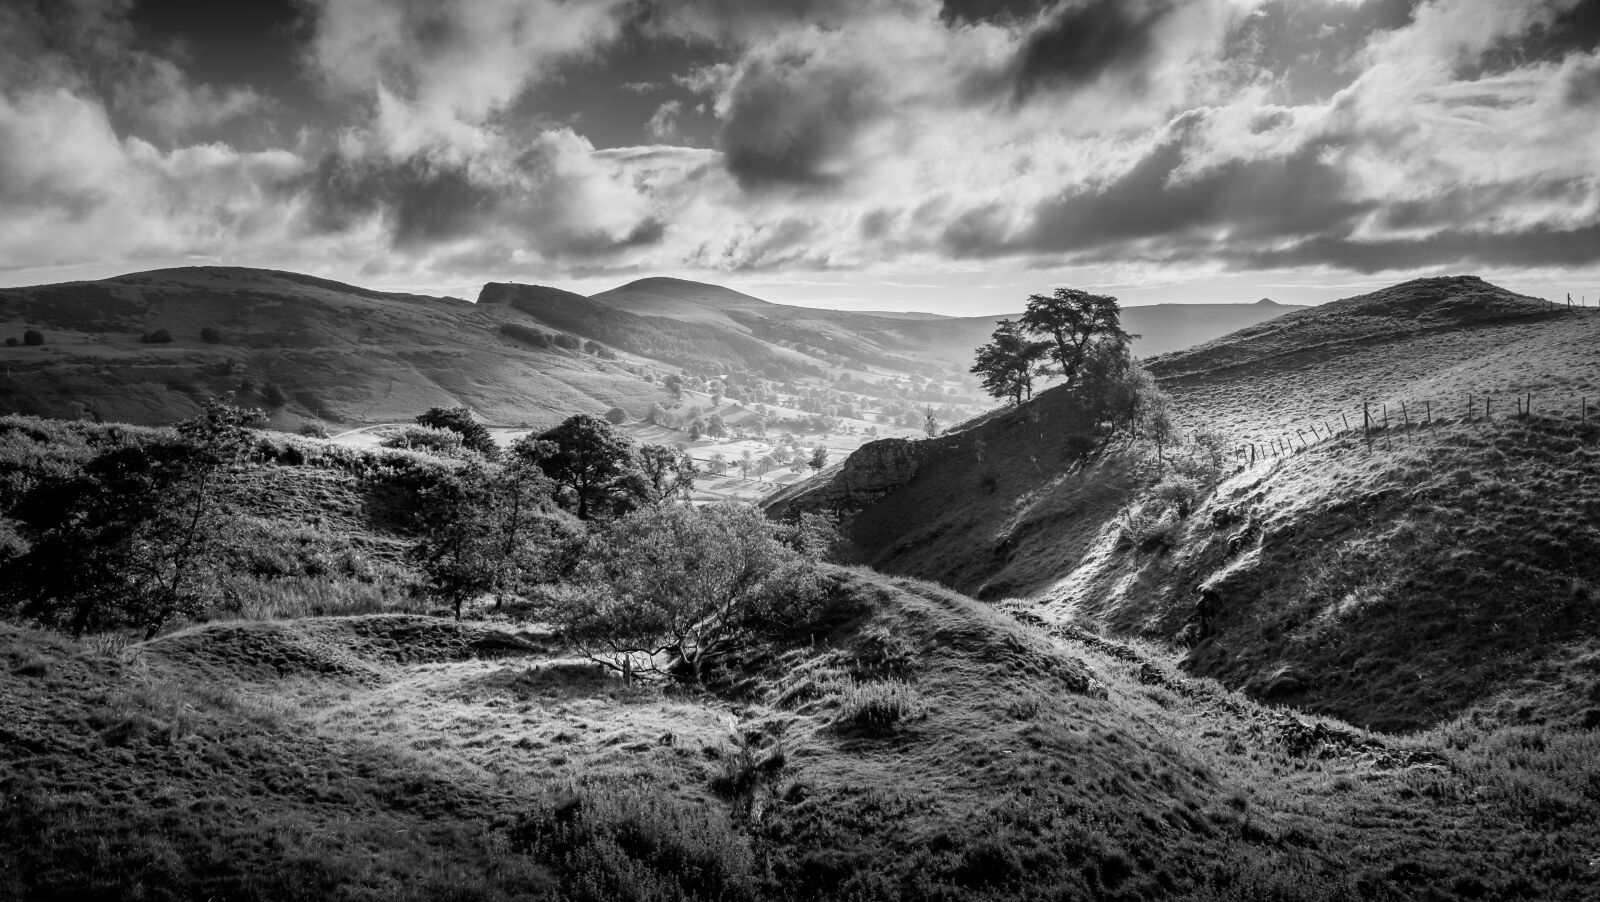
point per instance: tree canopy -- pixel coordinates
(1008, 363)
(1074, 322)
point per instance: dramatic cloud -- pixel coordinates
(848, 135)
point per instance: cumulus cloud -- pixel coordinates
(1357, 134)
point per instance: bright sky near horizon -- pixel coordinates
(942, 155)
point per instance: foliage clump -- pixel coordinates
(141, 524)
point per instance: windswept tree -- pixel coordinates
(587, 459)
(1008, 363)
(666, 590)
(474, 435)
(1075, 323)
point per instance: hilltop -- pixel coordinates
(1395, 584)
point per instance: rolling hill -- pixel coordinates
(1395, 582)
(310, 349)
(306, 348)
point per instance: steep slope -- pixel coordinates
(997, 506)
(1392, 578)
(913, 744)
(305, 347)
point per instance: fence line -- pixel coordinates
(1380, 420)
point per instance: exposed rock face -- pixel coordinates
(1000, 505)
(872, 471)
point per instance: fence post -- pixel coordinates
(1385, 416)
(1405, 414)
(1487, 407)
(1428, 409)
(1302, 434)
(1583, 410)
(1366, 423)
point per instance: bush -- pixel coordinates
(1148, 527)
(570, 342)
(442, 442)
(474, 435)
(33, 337)
(1176, 493)
(159, 336)
(12, 342)
(210, 336)
(616, 416)
(880, 707)
(525, 334)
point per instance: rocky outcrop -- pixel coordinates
(871, 472)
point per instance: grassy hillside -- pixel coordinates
(910, 744)
(307, 349)
(1447, 565)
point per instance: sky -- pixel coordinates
(944, 155)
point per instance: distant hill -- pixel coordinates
(947, 341)
(313, 349)
(307, 348)
(1391, 587)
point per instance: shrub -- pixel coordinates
(616, 416)
(1148, 527)
(33, 337)
(210, 335)
(442, 442)
(314, 430)
(880, 707)
(1176, 493)
(159, 336)
(12, 342)
(525, 334)
(563, 340)
(474, 435)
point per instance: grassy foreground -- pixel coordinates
(909, 743)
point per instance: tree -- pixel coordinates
(715, 427)
(159, 336)
(210, 335)
(489, 530)
(1155, 420)
(665, 590)
(746, 463)
(930, 426)
(586, 457)
(818, 459)
(1074, 321)
(717, 465)
(666, 473)
(474, 435)
(1008, 363)
(616, 416)
(141, 526)
(32, 337)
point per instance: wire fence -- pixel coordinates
(1377, 421)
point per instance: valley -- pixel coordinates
(1046, 655)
